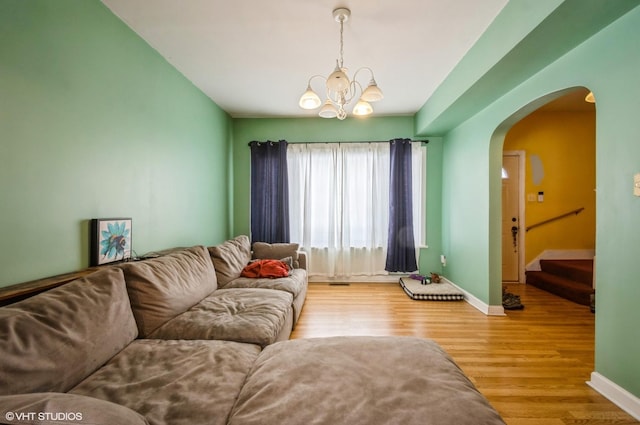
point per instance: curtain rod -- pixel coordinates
(424, 142)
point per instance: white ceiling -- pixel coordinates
(254, 57)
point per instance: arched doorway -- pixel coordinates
(548, 208)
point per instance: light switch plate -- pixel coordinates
(636, 184)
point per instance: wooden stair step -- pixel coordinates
(577, 270)
(570, 289)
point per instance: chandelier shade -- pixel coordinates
(362, 108)
(338, 80)
(328, 110)
(309, 99)
(372, 93)
(340, 91)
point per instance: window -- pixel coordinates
(339, 205)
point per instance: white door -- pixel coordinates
(511, 228)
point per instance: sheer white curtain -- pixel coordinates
(339, 206)
(419, 186)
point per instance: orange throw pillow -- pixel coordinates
(265, 268)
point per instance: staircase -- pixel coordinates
(570, 279)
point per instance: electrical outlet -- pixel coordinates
(636, 184)
(443, 260)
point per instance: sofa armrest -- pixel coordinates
(302, 260)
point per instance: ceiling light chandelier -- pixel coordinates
(340, 91)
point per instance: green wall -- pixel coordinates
(95, 123)
(607, 63)
(331, 130)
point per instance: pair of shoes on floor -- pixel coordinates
(511, 301)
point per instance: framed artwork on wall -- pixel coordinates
(110, 240)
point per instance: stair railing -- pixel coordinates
(549, 220)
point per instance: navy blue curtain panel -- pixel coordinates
(401, 251)
(269, 192)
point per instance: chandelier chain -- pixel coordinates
(341, 42)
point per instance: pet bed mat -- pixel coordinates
(443, 291)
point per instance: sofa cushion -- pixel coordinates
(174, 382)
(230, 257)
(255, 316)
(360, 380)
(295, 283)
(53, 340)
(276, 251)
(39, 408)
(163, 287)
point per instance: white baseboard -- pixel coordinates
(489, 310)
(560, 254)
(616, 394)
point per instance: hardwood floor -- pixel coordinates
(532, 364)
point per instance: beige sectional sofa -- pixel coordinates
(159, 342)
(176, 296)
(230, 257)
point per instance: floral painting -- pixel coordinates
(110, 240)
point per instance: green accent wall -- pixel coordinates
(608, 63)
(297, 130)
(95, 123)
